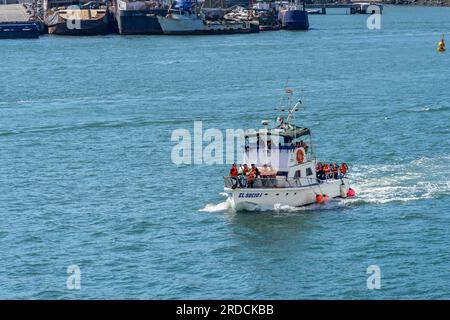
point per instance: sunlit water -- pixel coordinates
(87, 179)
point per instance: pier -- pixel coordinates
(16, 21)
(10, 13)
(355, 7)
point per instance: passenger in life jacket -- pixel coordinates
(319, 170)
(326, 171)
(343, 169)
(256, 170)
(243, 171)
(334, 171)
(234, 175)
(251, 176)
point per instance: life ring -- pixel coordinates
(300, 156)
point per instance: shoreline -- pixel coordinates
(404, 3)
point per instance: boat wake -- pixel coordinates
(227, 205)
(423, 178)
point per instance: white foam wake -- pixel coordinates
(220, 207)
(423, 178)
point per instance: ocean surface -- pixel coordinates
(87, 178)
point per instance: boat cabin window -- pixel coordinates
(298, 174)
(309, 172)
(268, 141)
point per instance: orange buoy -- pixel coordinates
(351, 193)
(319, 198)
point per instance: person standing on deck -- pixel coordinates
(272, 175)
(243, 171)
(257, 173)
(319, 170)
(265, 173)
(343, 169)
(251, 176)
(234, 176)
(334, 170)
(326, 171)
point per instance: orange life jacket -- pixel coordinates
(326, 168)
(343, 168)
(233, 172)
(334, 168)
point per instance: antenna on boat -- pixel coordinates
(291, 112)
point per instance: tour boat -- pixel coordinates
(292, 180)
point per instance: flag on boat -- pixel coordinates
(279, 120)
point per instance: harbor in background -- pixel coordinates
(86, 126)
(18, 21)
(29, 18)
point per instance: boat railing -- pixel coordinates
(269, 182)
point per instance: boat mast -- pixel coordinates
(291, 112)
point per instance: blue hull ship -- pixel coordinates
(295, 20)
(25, 30)
(139, 17)
(294, 17)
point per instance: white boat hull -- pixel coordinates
(178, 26)
(250, 199)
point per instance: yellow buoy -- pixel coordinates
(441, 45)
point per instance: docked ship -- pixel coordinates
(139, 17)
(293, 16)
(289, 174)
(89, 19)
(188, 18)
(18, 22)
(267, 14)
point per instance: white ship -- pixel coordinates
(287, 164)
(186, 18)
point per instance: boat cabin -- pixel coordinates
(286, 149)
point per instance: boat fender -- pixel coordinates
(351, 193)
(300, 156)
(319, 198)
